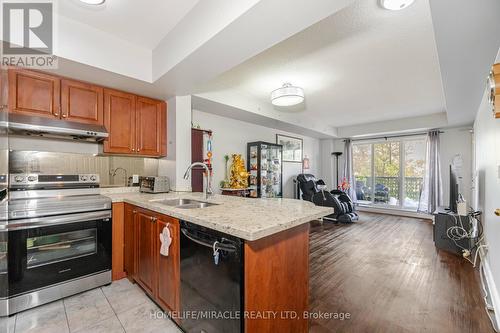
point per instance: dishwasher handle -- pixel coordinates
(216, 245)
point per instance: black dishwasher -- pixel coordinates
(211, 280)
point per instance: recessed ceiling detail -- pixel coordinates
(358, 66)
(144, 23)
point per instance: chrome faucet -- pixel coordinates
(208, 189)
(113, 172)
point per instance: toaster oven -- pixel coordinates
(159, 184)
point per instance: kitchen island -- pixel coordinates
(274, 234)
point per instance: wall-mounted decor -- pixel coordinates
(306, 163)
(292, 148)
(494, 87)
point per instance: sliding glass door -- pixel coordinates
(387, 160)
(414, 171)
(389, 173)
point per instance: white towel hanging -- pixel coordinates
(166, 240)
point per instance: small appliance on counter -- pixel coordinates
(157, 184)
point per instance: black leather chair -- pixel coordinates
(314, 190)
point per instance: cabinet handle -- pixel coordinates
(64, 116)
(133, 149)
(56, 114)
(134, 212)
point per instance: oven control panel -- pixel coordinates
(21, 179)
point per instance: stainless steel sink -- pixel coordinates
(184, 203)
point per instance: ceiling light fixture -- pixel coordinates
(287, 95)
(395, 4)
(93, 2)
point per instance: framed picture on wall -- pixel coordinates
(292, 148)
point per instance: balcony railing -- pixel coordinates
(387, 189)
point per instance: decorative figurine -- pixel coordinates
(344, 186)
(238, 172)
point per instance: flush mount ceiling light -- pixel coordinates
(287, 95)
(395, 4)
(93, 2)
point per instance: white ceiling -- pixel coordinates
(360, 65)
(130, 20)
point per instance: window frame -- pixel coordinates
(402, 170)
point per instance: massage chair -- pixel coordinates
(314, 190)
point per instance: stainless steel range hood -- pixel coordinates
(53, 128)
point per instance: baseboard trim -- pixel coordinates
(491, 286)
(396, 212)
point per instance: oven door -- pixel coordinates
(50, 250)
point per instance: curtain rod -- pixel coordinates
(391, 136)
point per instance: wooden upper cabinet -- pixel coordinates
(495, 92)
(136, 125)
(119, 120)
(146, 247)
(150, 126)
(168, 268)
(34, 93)
(82, 102)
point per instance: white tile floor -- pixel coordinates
(119, 307)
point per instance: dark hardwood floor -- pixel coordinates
(386, 273)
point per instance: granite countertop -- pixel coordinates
(246, 218)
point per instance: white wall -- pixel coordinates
(487, 161)
(85, 44)
(231, 136)
(456, 141)
(178, 143)
(328, 168)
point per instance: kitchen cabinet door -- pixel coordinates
(146, 250)
(151, 126)
(119, 120)
(129, 241)
(168, 267)
(82, 102)
(34, 93)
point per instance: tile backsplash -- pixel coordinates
(67, 163)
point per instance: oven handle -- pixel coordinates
(61, 219)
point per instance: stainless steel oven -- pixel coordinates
(56, 242)
(50, 250)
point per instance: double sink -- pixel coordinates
(184, 203)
